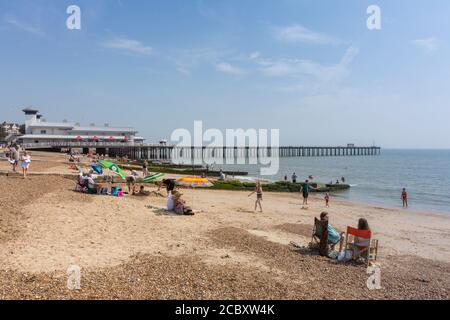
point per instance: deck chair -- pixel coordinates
(80, 185)
(362, 245)
(320, 236)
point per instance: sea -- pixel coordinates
(377, 180)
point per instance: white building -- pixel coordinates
(38, 130)
(11, 128)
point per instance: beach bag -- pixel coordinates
(115, 191)
(346, 255)
(188, 212)
(120, 194)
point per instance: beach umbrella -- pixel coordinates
(97, 168)
(79, 138)
(153, 177)
(194, 182)
(111, 138)
(113, 167)
(95, 138)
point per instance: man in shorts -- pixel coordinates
(305, 191)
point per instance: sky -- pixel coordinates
(310, 68)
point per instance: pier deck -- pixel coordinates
(159, 152)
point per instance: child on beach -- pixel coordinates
(327, 200)
(404, 198)
(259, 196)
(26, 160)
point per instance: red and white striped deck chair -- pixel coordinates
(362, 244)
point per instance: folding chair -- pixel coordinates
(320, 236)
(80, 185)
(360, 242)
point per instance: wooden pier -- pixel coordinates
(172, 153)
(175, 153)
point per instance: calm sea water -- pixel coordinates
(379, 179)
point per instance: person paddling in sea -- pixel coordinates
(294, 178)
(405, 198)
(259, 196)
(327, 200)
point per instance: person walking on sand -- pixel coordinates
(259, 196)
(405, 198)
(306, 187)
(26, 160)
(15, 157)
(327, 200)
(145, 168)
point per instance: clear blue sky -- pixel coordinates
(310, 68)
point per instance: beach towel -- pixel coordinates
(115, 191)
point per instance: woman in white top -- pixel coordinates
(170, 202)
(26, 160)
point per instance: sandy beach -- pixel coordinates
(129, 249)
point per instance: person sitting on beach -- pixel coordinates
(180, 205)
(81, 182)
(92, 186)
(142, 192)
(364, 226)
(259, 196)
(334, 237)
(360, 244)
